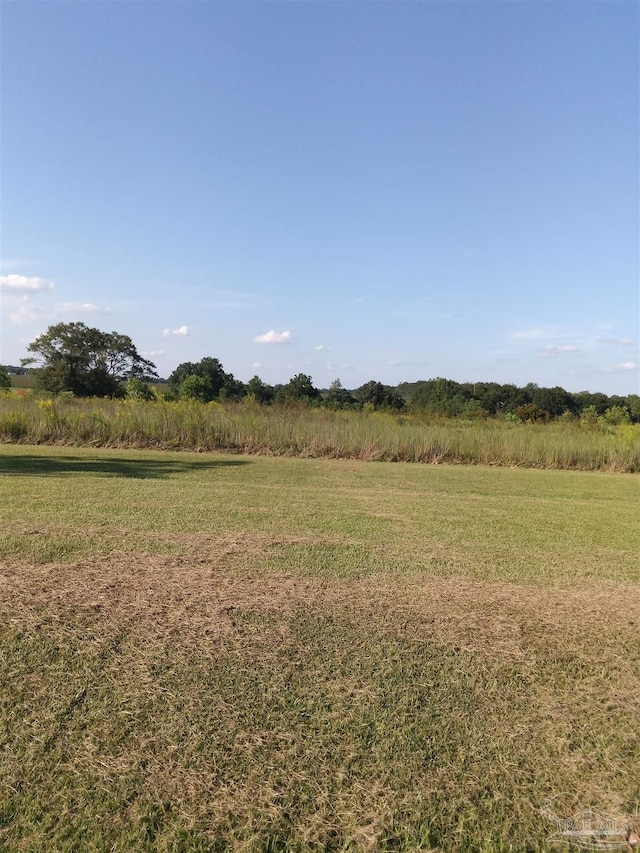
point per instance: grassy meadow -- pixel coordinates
(208, 652)
(317, 432)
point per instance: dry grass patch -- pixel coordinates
(182, 703)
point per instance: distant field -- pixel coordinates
(23, 380)
(229, 652)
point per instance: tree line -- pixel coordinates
(77, 359)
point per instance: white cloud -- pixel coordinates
(256, 364)
(272, 337)
(322, 348)
(182, 331)
(395, 362)
(150, 353)
(625, 366)
(82, 307)
(20, 283)
(552, 352)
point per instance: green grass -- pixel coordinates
(256, 653)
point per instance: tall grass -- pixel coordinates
(302, 431)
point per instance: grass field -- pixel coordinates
(203, 652)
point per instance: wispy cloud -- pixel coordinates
(151, 353)
(182, 331)
(536, 333)
(322, 348)
(554, 351)
(82, 308)
(256, 364)
(15, 283)
(20, 310)
(622, 342)
(272, 337)
(625, 367)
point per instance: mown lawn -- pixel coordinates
(207, 652)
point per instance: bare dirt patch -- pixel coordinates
(195, 596)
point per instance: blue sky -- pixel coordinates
(385, 190)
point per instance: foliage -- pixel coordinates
(338, 397)
(88, 362)
(137, 389)
(378, 396)
(216, 382)
(299, 389)
(5, 380)
(617, 415)
(259, 391)
(199, 388)
(531, 413)
(589, 416)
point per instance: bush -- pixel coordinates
(617, 415)
(5, 380)
(137, 389)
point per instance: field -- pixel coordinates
(228, 652)
(315, 433)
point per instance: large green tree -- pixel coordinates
(86, 361)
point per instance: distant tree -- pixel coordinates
(586, 399)
(137, 389)
(216, 382)
(555, 401)
(633, 404)
(299, 389)
(441, 396)
(378, 396)
(338, 397)
(259, 391)
(86, 361)
(5, 380)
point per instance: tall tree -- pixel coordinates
(75, 357)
